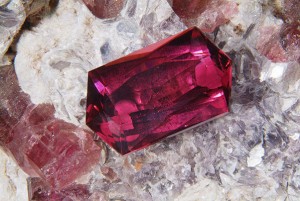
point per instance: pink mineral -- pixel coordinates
(280, 44)
(44, 146)
(206, 14)
(104, 8)
(38, 190)
(157, 91)
(288, 10)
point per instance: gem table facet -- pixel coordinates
(158, 91)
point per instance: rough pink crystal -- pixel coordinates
(13, 102)
(105, 8)
(157, 91)
(57, 151)
(280, 44)
(38, 190)
(44, 146)
(189, 9)
(206, 14)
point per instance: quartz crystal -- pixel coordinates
(157, 91)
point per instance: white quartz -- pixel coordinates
(13, 185)
(255, 155)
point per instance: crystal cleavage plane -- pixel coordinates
(157, 91)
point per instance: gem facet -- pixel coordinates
(157, 91)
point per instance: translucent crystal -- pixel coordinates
(157, 91)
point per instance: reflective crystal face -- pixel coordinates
(157, 91)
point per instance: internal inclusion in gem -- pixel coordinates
(157, 91)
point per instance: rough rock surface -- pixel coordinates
(13, 185)
(12, 16)
(251, 154)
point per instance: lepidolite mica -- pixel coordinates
(157, 91)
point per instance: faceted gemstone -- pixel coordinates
(157, 91)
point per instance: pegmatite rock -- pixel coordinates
(250, 154)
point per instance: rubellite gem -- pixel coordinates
(157, 91)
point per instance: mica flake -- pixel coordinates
(158, 91)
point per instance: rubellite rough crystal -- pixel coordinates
(56, 151)
(157, 91)
(104, 8)
(206, 14)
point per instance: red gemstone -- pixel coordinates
(157, 91)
